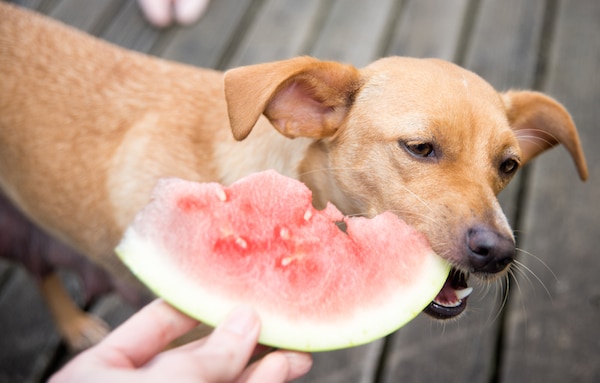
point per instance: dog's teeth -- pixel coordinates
(462, 294)
(453, 304)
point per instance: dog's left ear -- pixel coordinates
(540, 123)
(302, 97)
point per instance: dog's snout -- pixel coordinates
(489, 251)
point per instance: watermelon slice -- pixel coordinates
(319, 280)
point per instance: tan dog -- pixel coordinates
(87, 128)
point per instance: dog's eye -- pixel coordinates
(509, 166)
(420, 149)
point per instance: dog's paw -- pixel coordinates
(162, 13)
(84, 331)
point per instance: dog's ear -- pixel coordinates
(540, 122)
(302, 97)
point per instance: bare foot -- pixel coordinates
(84, 331)
(162, 13)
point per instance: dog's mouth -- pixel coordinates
(451, 301)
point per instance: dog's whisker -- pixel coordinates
(501, 294)
(540, 260)
(520, 292)
(522, 300)
(526, 271)
(520, 269)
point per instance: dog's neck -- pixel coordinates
(264, 149)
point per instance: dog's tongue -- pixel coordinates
(452, 298)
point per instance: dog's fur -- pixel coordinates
(87, 128)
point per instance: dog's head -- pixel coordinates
(425, 139)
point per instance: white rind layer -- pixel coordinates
(151, 265)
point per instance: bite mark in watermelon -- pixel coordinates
(207, 249)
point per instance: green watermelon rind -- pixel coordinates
(152, 266)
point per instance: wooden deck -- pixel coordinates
(549, 329)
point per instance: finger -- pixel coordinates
(274, 367)
(228, 349)
(258, 353)
(144, 335)
(300, 364)
(278, 366)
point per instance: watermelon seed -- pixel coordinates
(287, 260)
(297, 255)
(284, 233)
(241, 242)
(221, 195)
(308, 215)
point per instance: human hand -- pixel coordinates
(132, 353)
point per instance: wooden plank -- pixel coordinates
(553, 334)
(90, 16)
(429, 28)
(32, 4)
(43, 6)
(5, 271)
(205, 43)
(354, 365)
(354, 31)
(28, 338)
(279, 32)
(129, 29)
(465, 350)
(505, 42)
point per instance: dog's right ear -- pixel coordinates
(302, 97)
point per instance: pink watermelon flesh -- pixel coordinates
(261, 242)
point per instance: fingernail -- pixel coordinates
(241, 321)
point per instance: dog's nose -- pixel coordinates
(489, 251)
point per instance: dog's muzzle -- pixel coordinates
(488, 253)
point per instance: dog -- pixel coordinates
(87, 129)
